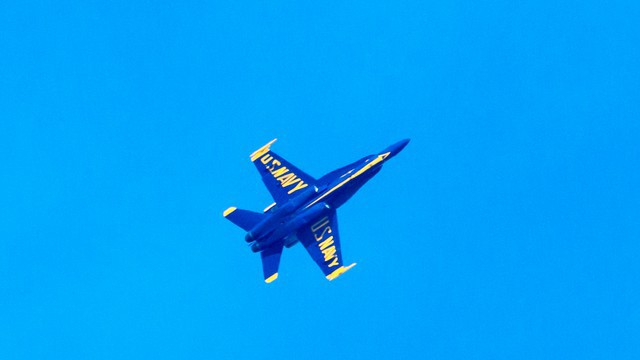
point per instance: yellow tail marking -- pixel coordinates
(339, 271)
(229, 211)
(271, 278)
(263, 150)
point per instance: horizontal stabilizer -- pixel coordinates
(271, 262)
(243, 218)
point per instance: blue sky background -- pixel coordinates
(508, 228)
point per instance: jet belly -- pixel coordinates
(279, 216)
(291, 225)
(343, 188)
(349, 189)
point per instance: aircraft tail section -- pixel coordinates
(283, 179)
(271, 261)
(243, 218)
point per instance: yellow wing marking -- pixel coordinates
(269, 207)
(271, 278)
(229, 211)
(339, 271)
(263, 150)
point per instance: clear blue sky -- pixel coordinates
(509, 228)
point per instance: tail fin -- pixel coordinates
(243, 218)
(271, 261)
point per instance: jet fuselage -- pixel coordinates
(332, 191)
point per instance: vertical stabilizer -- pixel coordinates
(271, 261)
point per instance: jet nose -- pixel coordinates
(394, 149)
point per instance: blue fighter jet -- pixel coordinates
(304, 209)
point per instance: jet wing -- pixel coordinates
(282, 179)
(322, 241)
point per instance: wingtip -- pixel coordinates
(339, 271)
(263, 150)
(229, 211)
(271, 278)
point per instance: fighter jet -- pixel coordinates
(304, 209)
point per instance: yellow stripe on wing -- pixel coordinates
(339, 271)
(271, 278)
(229, 211)
(263, 150)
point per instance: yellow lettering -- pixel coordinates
(280, 172)
(301, 185)
(334, 262)
(319, 224)
(326, 229)
(276, 163)
(291, 181)
(325, 244)
(285, 178)
(329, 253)
(266, 158)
